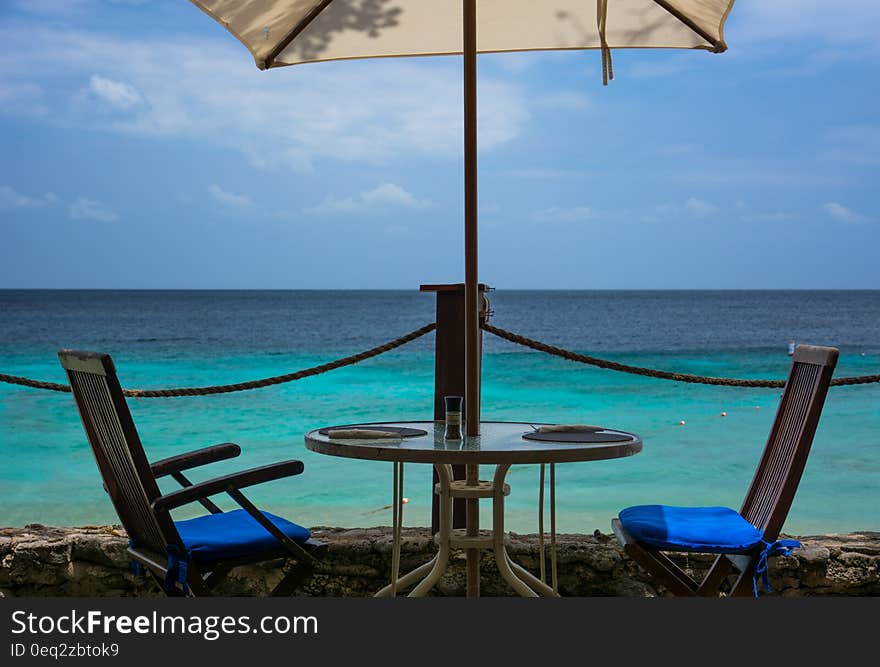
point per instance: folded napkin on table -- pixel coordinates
(568, 428)
(362, 434)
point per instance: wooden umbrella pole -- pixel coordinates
(471, 315)
(471, 299)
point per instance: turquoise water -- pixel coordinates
(170, 339)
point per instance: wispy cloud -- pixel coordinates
(545, 174)
(843, 214)
(834, 36)
(229, 199)
(91, 209)
(22, 98)
(679, 149)
(51, 7)
(115, 93)
(563, 101)
(742, 172)
(12, 198)
(854, 144)
(370, 111)
(385, 195)
(771, 217)
(846, 21)
(393, 195)
(661, 67)
(562, 214)
(699, 206)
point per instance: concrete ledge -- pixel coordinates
(91, 561)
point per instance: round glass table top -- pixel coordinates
(498, 442)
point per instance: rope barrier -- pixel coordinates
(241, 386)
(403, 340)
(35, 384)
(650, 372)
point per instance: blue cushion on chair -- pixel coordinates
(231, 534)
(699, 529)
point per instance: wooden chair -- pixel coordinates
(187, 557)
(744, 540)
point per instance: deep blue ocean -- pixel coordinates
(162, 339)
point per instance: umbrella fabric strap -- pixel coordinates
(777, 548)
(607, 65)
(177, 570)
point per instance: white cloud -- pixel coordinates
(699, 207)
(558, 214)
(843, 214)
(546, 173)
(770, 172)
(227, 198)
(563, 101)
(90, 209)
(115, 93)
(385, 195)
(24, 98)
(332, 205)
(392, 195)
(50, 7)
(683, 148)
(844, 21)
(662, 67)
(67, 8)
(11, 198)
(775, 216)
(209, 89)
(516, 62)
(855, 144)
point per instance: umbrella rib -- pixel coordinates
(719, 45)
(297, 29)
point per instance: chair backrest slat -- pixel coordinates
(782, 464)
(116, 446)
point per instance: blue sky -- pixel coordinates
(143, 149)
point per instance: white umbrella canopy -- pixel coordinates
(290, 32)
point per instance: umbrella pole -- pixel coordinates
(471, 315)
(471, 298)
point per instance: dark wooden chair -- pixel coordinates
(743, 540)
(187, 557)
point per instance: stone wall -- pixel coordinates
(91, 561)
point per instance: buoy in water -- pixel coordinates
(723, 414)
(681, 422)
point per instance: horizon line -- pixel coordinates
(408, 289)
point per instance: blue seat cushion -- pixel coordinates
(232, 534)
(698, 529)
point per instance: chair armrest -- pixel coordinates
(194, 459)
(237, 480)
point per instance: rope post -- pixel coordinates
(449, 362)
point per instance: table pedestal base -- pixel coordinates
(426, 576)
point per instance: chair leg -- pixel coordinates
(291, 581)
(668, 573)
(160, 582)
(742, 586)
(715, 577)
